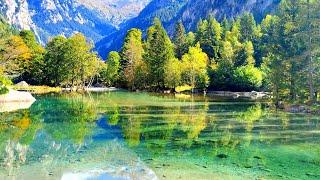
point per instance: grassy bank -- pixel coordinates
(38, 89)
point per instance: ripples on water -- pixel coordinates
(123, 135)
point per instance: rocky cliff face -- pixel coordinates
(17, 13)
(48, 18)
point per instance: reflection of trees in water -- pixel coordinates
(159, 125)
(17, 131)
(20, 126)
(250, 116)
(69, 117)
(195, 125)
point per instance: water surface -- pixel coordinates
(120, 135)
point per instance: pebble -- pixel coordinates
(222, 156)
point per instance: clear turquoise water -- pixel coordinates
(122, 135)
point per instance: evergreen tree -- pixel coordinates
(247, 27)
(310, 34)
(159, 50)
(180, 40)
(290, 46)
(209, 35)
(226, 26)
(246, 55)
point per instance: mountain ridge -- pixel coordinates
(48, 18)
(188, 12)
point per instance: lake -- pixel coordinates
(122, 135)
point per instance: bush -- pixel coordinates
(4, 90)
(248, 78)
(3, 83)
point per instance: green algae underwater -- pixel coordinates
(123, 135)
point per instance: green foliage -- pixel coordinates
(134, 68)
(180, 40)
(275, 75)
(33, 71)
(159, 50)
(56, 67)
(113, 67)
(195, 68)
(172, 73)
(281, 54)
(70, 62)
(247, 78)
(15, 56)
(209, 35)
(247, 27)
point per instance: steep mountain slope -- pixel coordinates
(189, 12)
(48, 18)
(166, 10)
(196, 9)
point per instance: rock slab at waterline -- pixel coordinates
(16, 96)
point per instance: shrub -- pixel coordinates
(248, 78)
(3, 83)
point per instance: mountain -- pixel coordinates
(197, 9)
(47, 18)
(166, 10)
(189, 12)
(106, 22)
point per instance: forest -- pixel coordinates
(280, 54)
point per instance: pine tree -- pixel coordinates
(247, 27)
(179, 39)
(209, 35)
(159, 50)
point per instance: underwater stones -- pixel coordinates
(265, 169)
(222, 156)
(164, 165)
(311, 175)
(257, 157)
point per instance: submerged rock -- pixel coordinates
(222, 156)
(257, 157)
